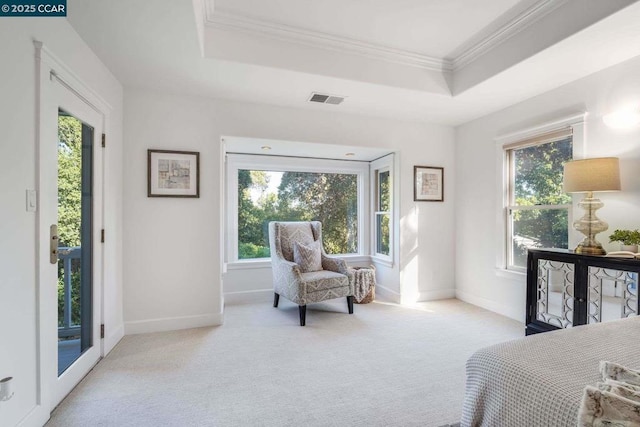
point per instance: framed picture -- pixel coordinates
(173, 173)
(428, 184)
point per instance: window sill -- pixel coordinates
(355, 258)
(245, 265)
(511, 274)
(266, 262)
(385, 262)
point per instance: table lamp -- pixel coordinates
(588, 176)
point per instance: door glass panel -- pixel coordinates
(555, 295)
(75, 145)
(612, 294)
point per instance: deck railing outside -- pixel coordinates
(66, 255)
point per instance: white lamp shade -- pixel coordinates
(598, 174)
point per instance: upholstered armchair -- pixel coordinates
(315, 276)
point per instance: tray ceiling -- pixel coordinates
(439, 61)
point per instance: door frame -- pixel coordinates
(52, 73)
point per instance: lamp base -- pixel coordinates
(590, 225)
(590, 249)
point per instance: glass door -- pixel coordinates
(75, 165)
(71, 210)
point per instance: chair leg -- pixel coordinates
(303, 314)
(350, 304)
(276, 299)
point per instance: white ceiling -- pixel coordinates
(437, 61)
(433, 28)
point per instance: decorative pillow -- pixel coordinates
(613, 371)
(616, 402)
(602, 408)
(625, 390)
(308, 257)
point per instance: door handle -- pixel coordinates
(53, 244)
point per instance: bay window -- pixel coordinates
(270, 188)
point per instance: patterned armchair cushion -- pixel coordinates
(291, 232)
(308, 257)
(324, 285)
(323, 280)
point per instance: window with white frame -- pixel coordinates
(270, 188)
(538, 210)
(382, 207)
(383, 212)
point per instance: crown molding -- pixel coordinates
(229, 21)
(478, 45)
(483, 43)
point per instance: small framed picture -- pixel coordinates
(428, 184)
(173, 173)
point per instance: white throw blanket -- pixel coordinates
(614, 402)
(363, 280)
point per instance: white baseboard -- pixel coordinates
(172, 323)
(508, 311)
(437, 294)
(266, 295)
(387, 294)
(37, 417)
(246, 297)
(112, 339)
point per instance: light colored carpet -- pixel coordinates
(385, 365)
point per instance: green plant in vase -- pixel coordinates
(629, 239)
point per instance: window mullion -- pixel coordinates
(536, 207)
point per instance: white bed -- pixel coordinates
(539, 380)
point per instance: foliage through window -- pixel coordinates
(382, 214)
(69, 212)
(538, 208)
(265, 196)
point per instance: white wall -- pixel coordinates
(172, 250)
(478, 278)
(18, 173)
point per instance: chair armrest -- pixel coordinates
(290, 271)
(339, 266)
(334, 264)
(288, 264)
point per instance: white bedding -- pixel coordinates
(539, 380)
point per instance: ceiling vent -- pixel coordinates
(326, 99)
